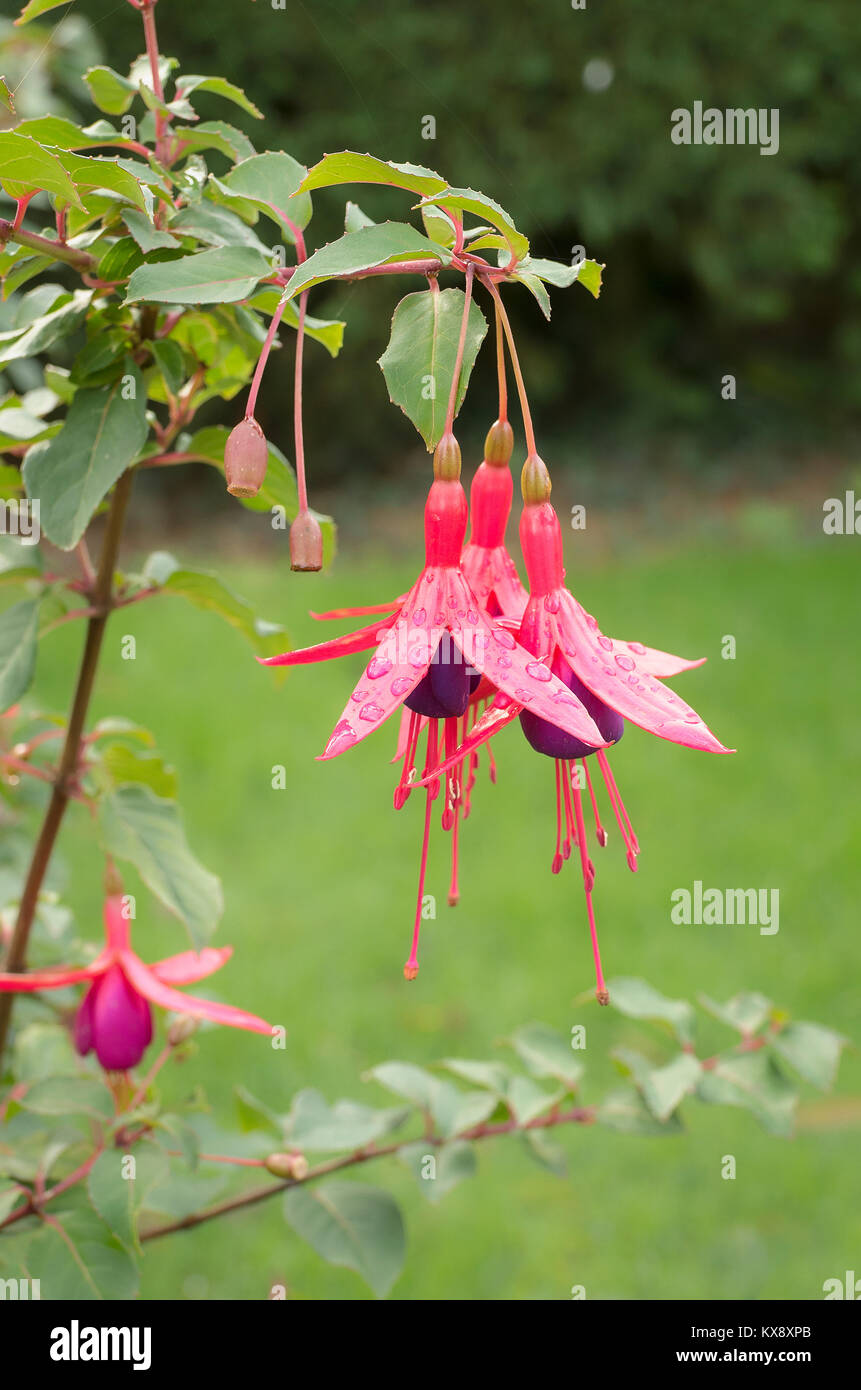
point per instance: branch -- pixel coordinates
(102, 592)
(57, 250)
(582, 1115)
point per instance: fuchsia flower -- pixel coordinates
(613, 680)
(114, 1018)
(431, 653)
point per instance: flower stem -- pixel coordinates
(458, 361)
(515, 363)
(60, 796)
(500, 368)
(263, 359)
(298, 432)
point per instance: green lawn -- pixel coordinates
(320, 880)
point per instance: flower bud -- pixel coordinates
(499, 444)
(245, 458)
(287, 1165)
(181, 1030)
(535, 481)
(446, 460)
(306, 543)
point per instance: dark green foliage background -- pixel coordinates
(719, 260)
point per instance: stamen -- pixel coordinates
(557, 858)
(453, 889)
(452, 776)
(600, 832)
(408, 771)
(432, 757)
(571, 832)
(411, 969)
(631, 843)
(601, 991)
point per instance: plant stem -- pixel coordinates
(515, 363)
(263, 358)
(583, 1115)
(461, 343)
(500, 367)
(58, 251)
(298, 432)
(101, 594)
(148, 16)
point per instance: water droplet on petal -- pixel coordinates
(609, 671)
(378, 666)
(419, 617)
(371, 711)
(637, 647)
(593, 622)
(359, 696)
(523, 695)
(551, 603)
(625, 662)
(401, 685)
(691, 717)
(538, 671)
(503, 661)
(419, 656)
(504, 638)
(472, 616)
(343, 736)
(606, 643)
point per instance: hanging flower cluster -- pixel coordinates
(468, 650)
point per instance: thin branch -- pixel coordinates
(58, 251)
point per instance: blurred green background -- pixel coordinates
(704, 519)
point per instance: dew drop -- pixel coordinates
(370, 712)
(503, 661)
(378, 666)
(637, 647)
(523, 695)
(606, 643)
(472, 616)
(401, 685)
(420, 617)
(691, 717)
(593, 622)
(538, 671)
(504, 638)
(343, 736)
(625, 662)
(551, 603)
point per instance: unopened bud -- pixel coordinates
(181, 1030)
(113, 881)
(306, 543)
(287, 1165)
(535, 481)
(245, 457)
(446, 460)
(499, 444)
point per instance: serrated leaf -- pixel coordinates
(536, 289)
(745, 1012)
(82, 1260)
(109, 91)
(220, 276)
(315, 1126)
(69, 1095)
(637, 999)
(59, 322)
(117, 1197)
(547, 1053)
(216, 225)
(216, 135)
(19, 626)
(438, 1170)
(125, 765)
(752, 1081)
(665, 1087)
(328, 332)
(419, 362)
(90, 172)
(27, 167)
(206, 591)
(813, 1051)
(147, 236)
(362, 250)
(626, 1111)
(407, 1080)
(139, 827)
(7, 96)
(352, 1225)
(34, 8)
(268, 183)
(469, 200)
(348, 167)
(169, 359)
(355, 219)
(220, 87)
(102, 436)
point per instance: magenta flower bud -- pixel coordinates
(245, 458)
(114, 1021)
(306, 543)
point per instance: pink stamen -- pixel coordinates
(557, 858)
(571, 832)
(453, 889)
(600, 832)
(601, 992)
(432, 757)
(411, 969)
(451, 777)
(631, 843)
(402, 790)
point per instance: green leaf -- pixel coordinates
(814, 1051)
(438, 225)
(7, 96)
(9, 1199)
(216, 135)
(220, 276)
(745, 1012)
(493, 1076)
(142, 828)
(253, 1115)
(329, 332)
(170, 362)
(404, 1079)
(84, 1262)
(117, 1197)
(527, 1101)
(268, 183)
(44, 1050)
(625, 1110)
(438, 1170)
(220, 87)
(753, 1081)
(353, 1225)
(587, 273)
(206, 591)
(217, 226)
(125, 765)
(549, 1155)
(454, 1110)
(59, 322)
(147, 236)
(637, 999)
(665, 1087)
(548, 1053)
(536, 289)
(103, 434)
(590, 276)
(419, 362)
(69, 1095)
(65, 135)
(90, 172)
(34, 8)
(19, 627)
(109, 91)
(348, 167)
(468, 200)
(361, 250)
(355, 219)
(27, 167)
(345, 1126)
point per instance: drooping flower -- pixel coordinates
(614, 680)
(432, 651)
(114, 1018)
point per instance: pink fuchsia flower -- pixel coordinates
(431, 653)
(614, 680)
(114, 1018)
(487, 566)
